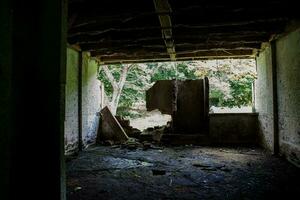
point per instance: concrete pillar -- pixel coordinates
(275, 99)
(72, 103)
(264, 102)
(91, 99)
(33, 84)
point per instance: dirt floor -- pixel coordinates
(187, 172)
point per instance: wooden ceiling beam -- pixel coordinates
(236, 37)
(180, 31)
(129, 23)
(183, 47)
(267, 25)
(201, 29)
(187, 56)
(164, 10)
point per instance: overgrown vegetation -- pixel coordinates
(230, 82)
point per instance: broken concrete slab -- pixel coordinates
(153, 134)
(162, 96)
(110, 128)
(129, 130)
(187, 101)
(191, 116)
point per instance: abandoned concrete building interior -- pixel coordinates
(60, 140)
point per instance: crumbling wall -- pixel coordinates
(264, 98)
(162, 96)
(186, 101)
(91, 99)
(71, 105)
(191, 115)
(288, 84)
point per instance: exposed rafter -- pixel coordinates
(131, 32)
(164, 10)
(200, 55)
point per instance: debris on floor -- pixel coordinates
(153, 134)
(131, 144)
(130, 131)
(117, 132)
(180, 172)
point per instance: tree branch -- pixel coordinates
(110, 77)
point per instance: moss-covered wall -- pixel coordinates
(91, 99)
(71, 105)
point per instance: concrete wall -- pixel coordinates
(91, 99)
(288, 84)
(87, 121)
(264, 98)
(71, 106)
(287, 62)
(233, 128)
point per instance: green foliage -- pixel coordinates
(116, 72)
(169, 71)
(230, 82)
(241, 92)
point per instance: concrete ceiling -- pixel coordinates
(163, 30)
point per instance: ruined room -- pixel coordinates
(62, 137)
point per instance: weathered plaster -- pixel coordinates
(71, 105)
(264, 98)
(91, 100)
(288, 96)
(288, 81)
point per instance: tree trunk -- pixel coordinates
(117, 86)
